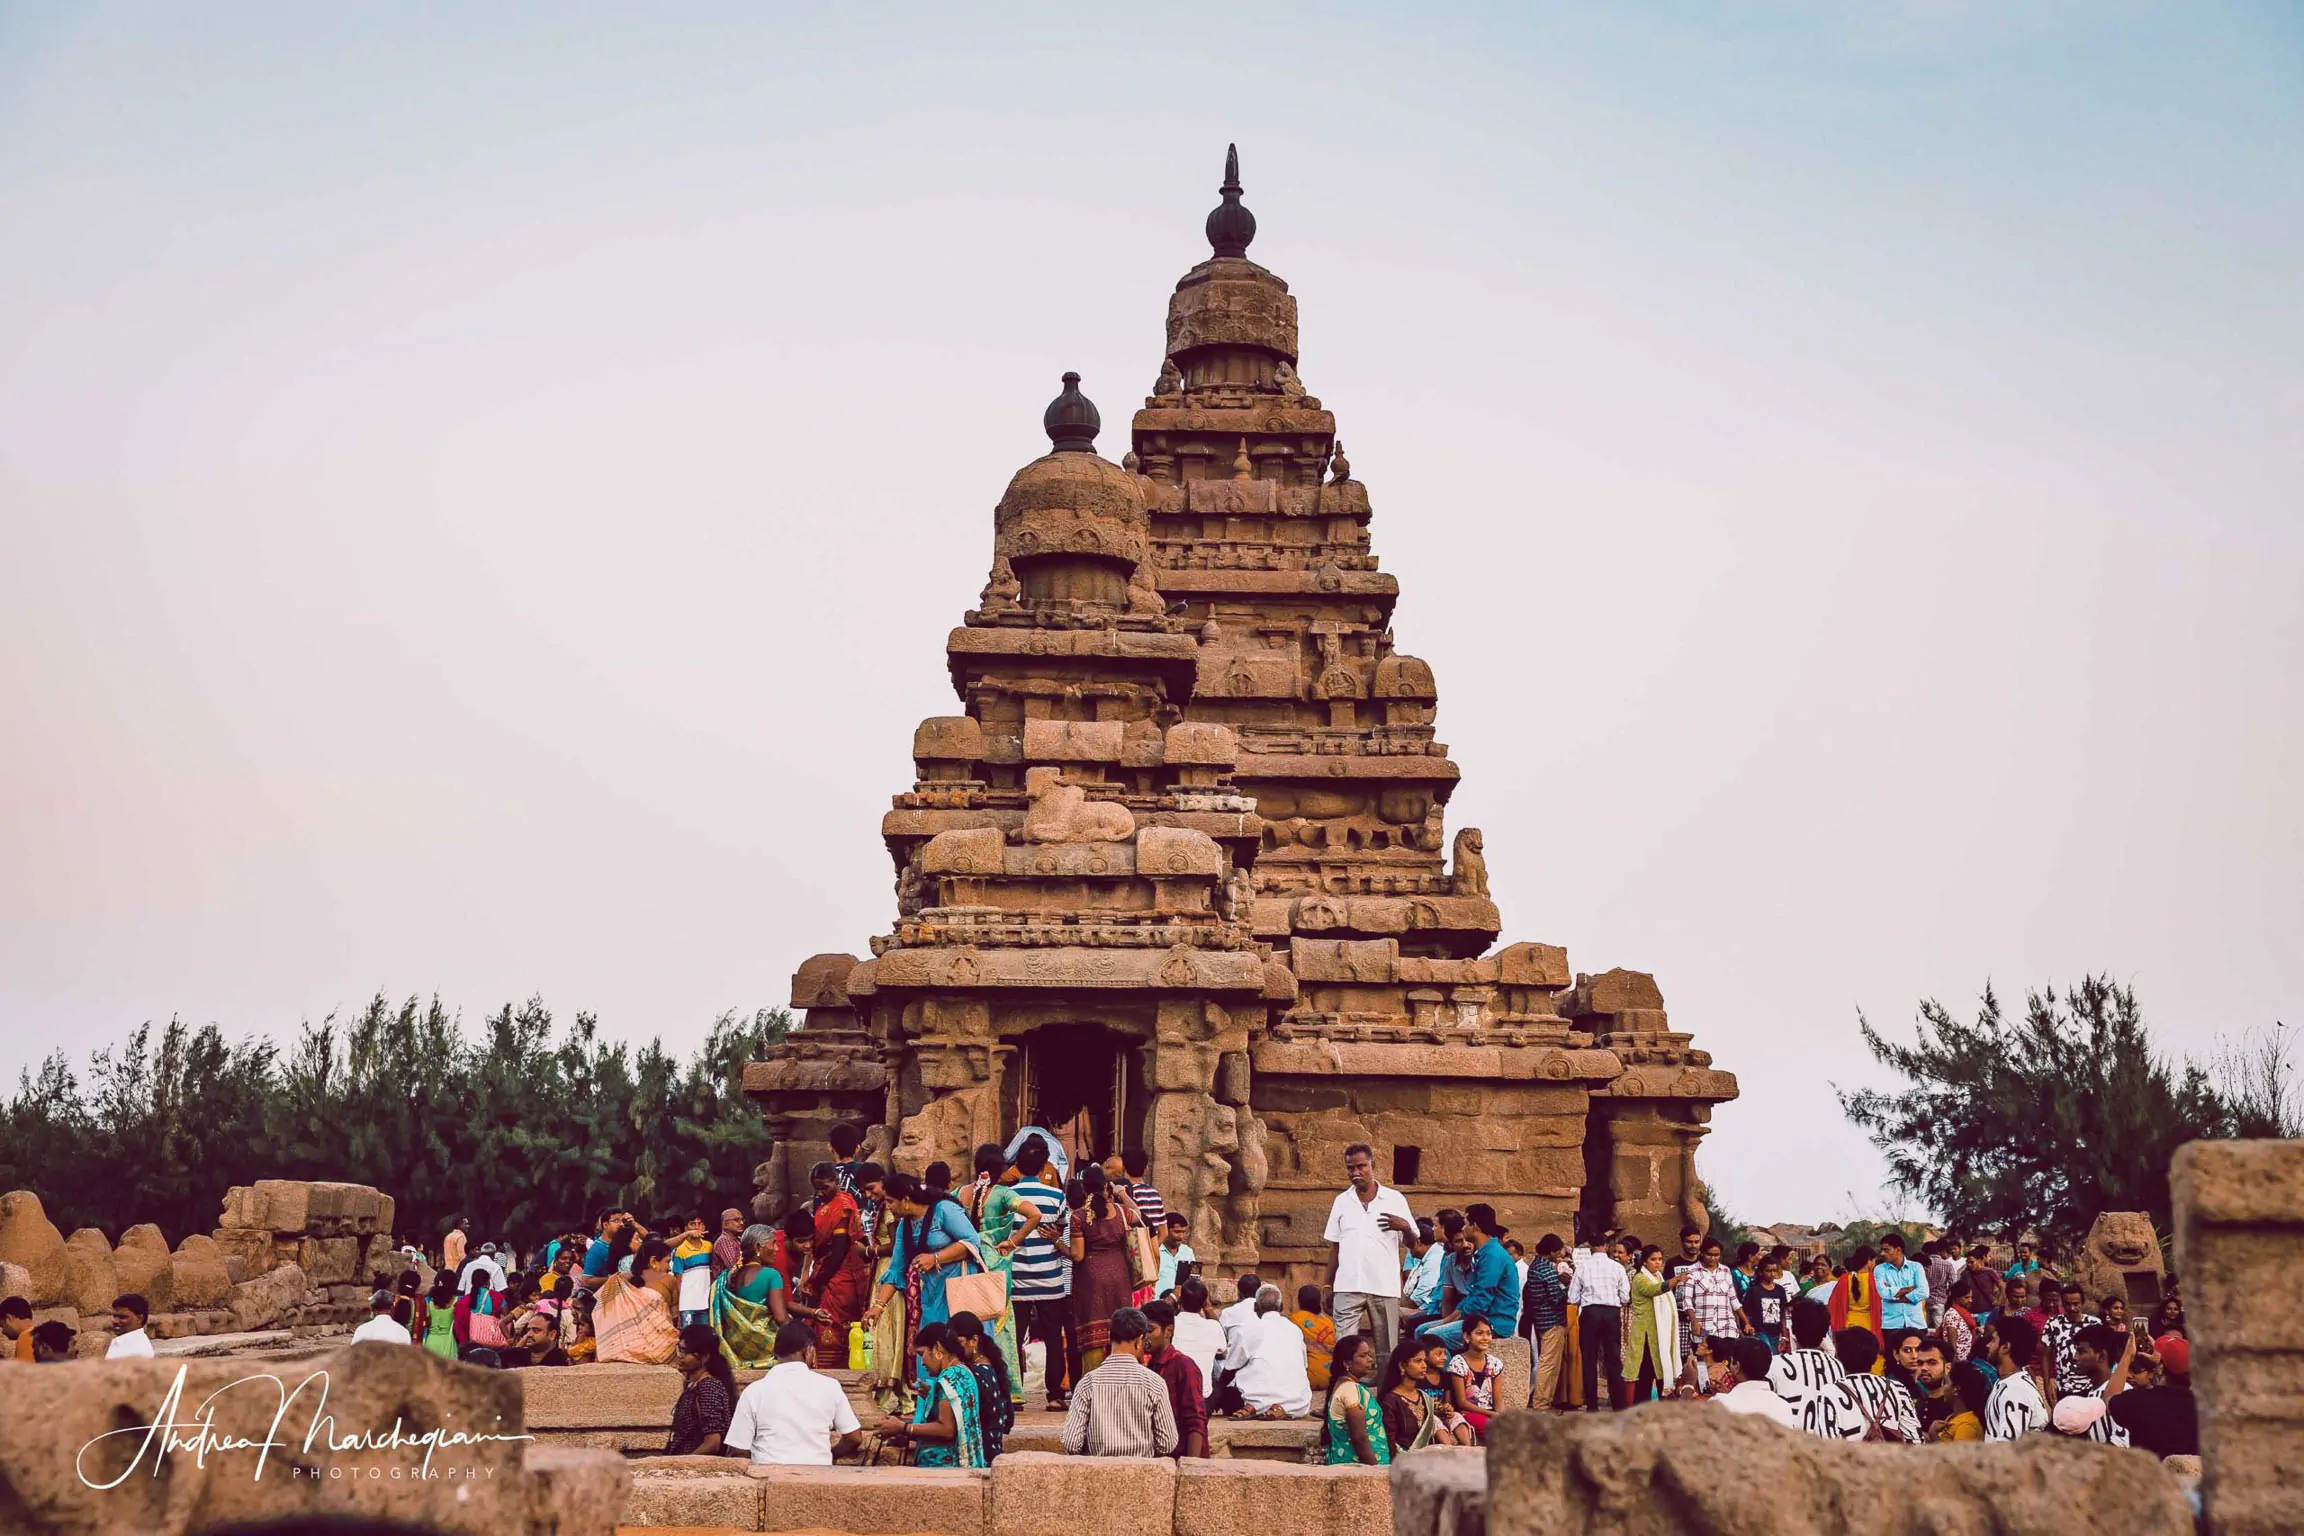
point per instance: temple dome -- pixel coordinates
(1228, 301)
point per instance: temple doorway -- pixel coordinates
(1085, 1083)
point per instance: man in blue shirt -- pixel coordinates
(1903, 1285)
(600, 1254)
(1493, 1290)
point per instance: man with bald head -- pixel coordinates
(728, 1247)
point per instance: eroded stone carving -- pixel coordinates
(1470, 876)
(1063, 813)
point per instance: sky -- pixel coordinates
(484, 491)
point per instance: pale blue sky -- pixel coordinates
(483, 492)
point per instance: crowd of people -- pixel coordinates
(953, 1298)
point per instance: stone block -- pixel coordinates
(242, 1210)
(1617, 991)
(1532, 965)
(573, 1491)
(1343, 960)
(948, 739)
(821, 982)
(1035, 1493)
(2240, 1225)
(270, 1299)
(614, 1396)
(330, 1260)
(876, 1501)
(1441, 1490)
(965, 851)
(197, 1277)
(1177, 851)
(1270, 1498)
(28, 1238)
(90, 1279)
(387, 1212)
(1690, 1467)
(1519, 1378)
(1072, 741)
(15, 1280)
(727, 1500)
(1201, 742)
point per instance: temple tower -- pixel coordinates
(1179, 876)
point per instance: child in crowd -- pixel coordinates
(692, 1271)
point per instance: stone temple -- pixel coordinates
(1177, 875)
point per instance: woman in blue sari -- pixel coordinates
(946, 1429)
(934, 1242)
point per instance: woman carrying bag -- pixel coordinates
(934, 1244)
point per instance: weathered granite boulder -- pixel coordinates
(90, 1278)
(1691, 1469)
(496, 1489)
(29, 1238)
(273, 1297)
(197, 1276)
(1441, 1490)
(15, 1280)
(143, 1265)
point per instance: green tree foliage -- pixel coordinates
(1721, 1224)
(2046, 1120)
(525, 1129)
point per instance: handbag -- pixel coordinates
(1143, 1256)
(984, 1293)
(487, 1331)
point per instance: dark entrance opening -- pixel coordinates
(1086, 1084)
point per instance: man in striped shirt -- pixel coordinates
(1040, 1272)
(2057, 1339)
(1811, 1378)
(2015, 1408)
(1885, 1401)
(1134, 1165)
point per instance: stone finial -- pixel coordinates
(1071, 420)
(1131, 463)
(1230, 226)
(1339, 467)
(1242, 467)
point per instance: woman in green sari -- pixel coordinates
(945, 1429)
(749, 1303)
(1355, 1420)
(1003, 1219)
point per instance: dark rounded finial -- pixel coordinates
(1230, 226)
(1071, 419)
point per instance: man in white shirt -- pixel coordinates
(482, 1263)
(1366, 1223)
(1242, 1312)
(1745, 1369)
(1268, 1363)
(381, 1328)
(792, 1416)
(129, 1340)
(1198, 1335)
(1600, 1290)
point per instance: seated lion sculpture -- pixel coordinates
(1063, 813)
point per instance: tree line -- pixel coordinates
(2042, 1120)
(525, 1128)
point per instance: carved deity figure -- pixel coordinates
(1290, 386)
(1470, 876)
(1003, 590)
(1063, 813)
(1170, 381)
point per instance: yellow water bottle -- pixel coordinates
(859, 1348)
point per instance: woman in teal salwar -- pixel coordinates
(946, 1428)
(934, 1242)
(1004, 1219)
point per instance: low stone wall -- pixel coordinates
(61, 1476)
(1694, 1469)
(288, 1254)
(1025, 1493)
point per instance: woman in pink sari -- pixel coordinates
(840, 1275)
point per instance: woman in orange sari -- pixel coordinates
(840, 1274)
(1855, 1300)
